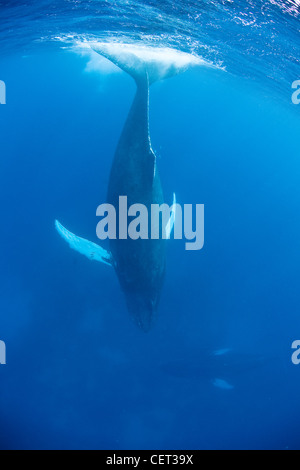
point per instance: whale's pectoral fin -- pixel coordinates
(171, 222)
(85, 247)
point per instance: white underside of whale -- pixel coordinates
(159, 62)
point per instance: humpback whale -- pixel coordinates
(139, 264)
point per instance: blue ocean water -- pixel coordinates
(215, 371)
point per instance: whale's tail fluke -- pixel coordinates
(157, 63)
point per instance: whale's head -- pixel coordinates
(142, 308)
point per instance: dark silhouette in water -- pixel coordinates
(139, 264)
